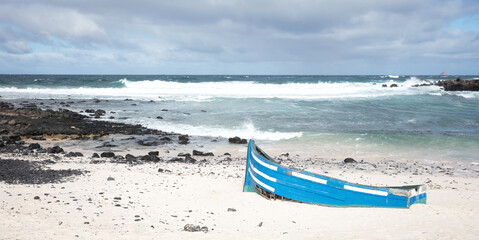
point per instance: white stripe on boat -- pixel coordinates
(274, 168)
(310, 178)
(262, 174)
(364, 190)
(271, 189)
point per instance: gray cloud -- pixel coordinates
(298, 37)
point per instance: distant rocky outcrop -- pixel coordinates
(459, 85)
(35, 123)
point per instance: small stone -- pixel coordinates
(231, 210)
(153, 153)
(349, 160)
(237, 140)
(110, 179)
(107, 154)
(36, 198)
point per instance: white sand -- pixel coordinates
(165, 202)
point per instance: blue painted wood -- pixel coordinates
(264, 174)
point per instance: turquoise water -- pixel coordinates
(350, 114)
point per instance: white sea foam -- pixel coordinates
(207, 91)
(247, 130)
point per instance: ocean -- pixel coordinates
(325, 116)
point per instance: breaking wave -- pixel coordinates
(206, 91)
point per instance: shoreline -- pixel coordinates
(166, 195)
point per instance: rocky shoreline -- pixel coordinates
(459, 85)
(85, 178)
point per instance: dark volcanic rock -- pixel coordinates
(161, 170)
(393, 85)
(153, 141)
(74, 154)
(189, 159)
(183, 139)
(107, 154)
(151, 158)
(55, 149)
(349, 160)
(195, 228)
(34, 146)
(35, 122)
(95, 155)
(26, 172)
(130, 157)
(184, 155)
(200, 153)
(154, 153)
(237, 140)
(459, 85)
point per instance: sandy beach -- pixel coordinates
(148, 200)
(262, 120)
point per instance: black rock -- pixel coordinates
(231, 210)
(31, 172)
(107, 154)
(199, 153)
(41, 150)
(189, 159)
(74, 154)
(154, 153)
(393, 85)
(130, 157)
(34, 146)
(159, 117)
(55, 149)
(183, 139)
(195, 228)
(15, 137)
(237, 140)
(155, 159)
(161, 170)
(349, 160)
(385, 85)
(2, 144)
(460, 85)
(36, 198)
(151, 141)
(90, 111)
(96, 161)
(95, 155)
(151, 158)
(184, 155)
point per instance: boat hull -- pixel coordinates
(268, 178)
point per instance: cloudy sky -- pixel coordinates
(239, 37)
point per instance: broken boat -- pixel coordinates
(268, 178)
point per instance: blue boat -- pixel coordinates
(268, 178)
